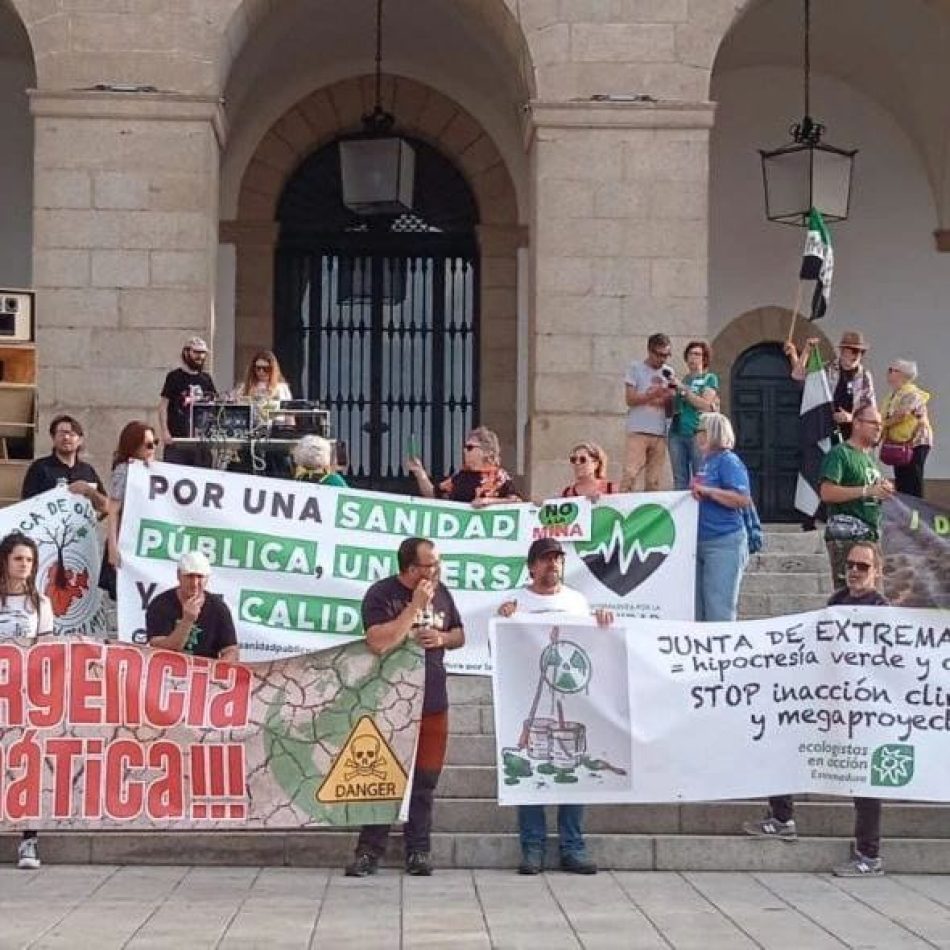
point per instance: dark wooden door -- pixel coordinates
(765, 413)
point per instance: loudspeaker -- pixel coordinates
(16, 316)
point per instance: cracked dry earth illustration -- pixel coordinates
(301, 712)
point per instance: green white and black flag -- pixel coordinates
(817, 430)
(818, 263)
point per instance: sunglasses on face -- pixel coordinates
(150, 445)
(262, 367)
(579, 459)
(862, 567)
(851, 349)
(470, 446)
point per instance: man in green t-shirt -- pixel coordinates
(853, 488)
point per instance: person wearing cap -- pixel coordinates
(547, 593)
(849, 380)
(190, 619)
(184, 386)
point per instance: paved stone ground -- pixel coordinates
(98, 906)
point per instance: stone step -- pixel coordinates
(787, 542)
(475, 850)
(758, 582)
(780, 603)
(833, 818)
(769, 563)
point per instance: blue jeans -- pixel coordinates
(533, 831)
(685, 458)
(719, 566)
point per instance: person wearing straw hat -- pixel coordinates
(849, 380)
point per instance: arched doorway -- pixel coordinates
(765, 409)
(378, 317)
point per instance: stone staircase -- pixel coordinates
(471, 830)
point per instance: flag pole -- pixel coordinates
(795, 309)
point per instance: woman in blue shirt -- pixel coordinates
(722, 490)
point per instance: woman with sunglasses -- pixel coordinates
(589, 462)
(908, 434)
(481, 481)
(264, 383)
(137, 442)
(27, 614)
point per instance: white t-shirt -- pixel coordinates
(566, 601)
(650, 420)
(19, 619)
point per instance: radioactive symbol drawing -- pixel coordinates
(551, 747)
(566, 667)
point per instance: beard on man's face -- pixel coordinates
(194, 360)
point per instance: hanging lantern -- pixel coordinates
(807, 173)
(377, 168)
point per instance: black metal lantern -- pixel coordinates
(807, 173)
(377, 169)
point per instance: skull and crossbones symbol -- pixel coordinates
(365, 760)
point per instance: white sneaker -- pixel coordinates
(28, 854)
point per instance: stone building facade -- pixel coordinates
(613, 197)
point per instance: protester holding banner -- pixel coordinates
(722, 490)
(697, 392)
(589, 461)
(64, 463)
(482, 481)
(908, 435)
(547, 593)
(864, 568)
(852, 488)
(25, 613)
(413, 604)
(137, 442)
(189, 619)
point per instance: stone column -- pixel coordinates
(125, 241)
(498, 250)
(619, 251)
(254, 242)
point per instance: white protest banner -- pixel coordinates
(843, 701)
(293, 559)
(63, 525)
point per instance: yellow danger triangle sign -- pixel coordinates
(365, 770)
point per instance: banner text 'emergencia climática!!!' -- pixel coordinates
(119, 736)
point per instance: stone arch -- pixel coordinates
(493, 19)
(17, 75)
(761, 325)
(423, 112)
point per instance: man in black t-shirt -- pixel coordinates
(183, 387)
(413, 604)
(64, 462)
(863, 563)
(190, 620)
